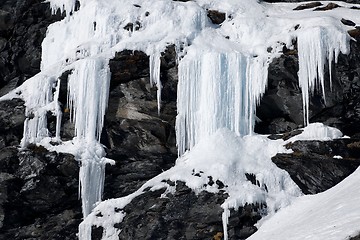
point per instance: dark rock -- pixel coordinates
(285, 136)
(141, 141)
(184, 216)
(355, 238)
(281, 109)
(12, 116)
(347, 22)
(216, 17)
(131, 27)
(39, 194)
(308, 5)
(355, 33)
(313, 167)
(328, 7)
(23, 26)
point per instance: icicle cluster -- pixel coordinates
(217, 90)
(315, 47)
(88, 90)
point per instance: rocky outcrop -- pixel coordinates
(39, 194)
(141, 141)
(281, 110)
(316, 166)
(182, 215)
(23, 27)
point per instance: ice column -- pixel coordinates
(315, 46)
(217, 90)
(37, 107)
(88, 89)
(155, 63)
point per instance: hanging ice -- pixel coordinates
(88, 88)
(154, 63)
(217, 90)
(315, 46)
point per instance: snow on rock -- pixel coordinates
(226, 157)
(317, 131)
(223, 74)
(330, 215)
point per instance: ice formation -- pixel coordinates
(217, 90)
(315, 47)
(222, 76)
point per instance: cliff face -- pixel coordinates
(38, 189)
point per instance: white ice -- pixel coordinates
(222, 76)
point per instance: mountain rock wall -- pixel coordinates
(39, 189)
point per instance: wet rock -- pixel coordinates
(315, 166)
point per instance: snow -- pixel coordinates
(222, 76)
(330, 215)
(224, 156)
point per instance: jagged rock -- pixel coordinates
(183, 215)
(23, 26)
(315, 166)
(38, 192)
(12, 116)
(141, 141)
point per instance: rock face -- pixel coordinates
(316, 166)
(281, 107)
(23, 26)
(182, 215)
(39, 189)
(140, 140)
(38, 193)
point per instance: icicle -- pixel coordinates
(37, 106)
(217, 90)
(88, 90)
(57, 111)
(91, 176)
(67, 6)
(314, 47)
(225, 221)
(155, 63)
